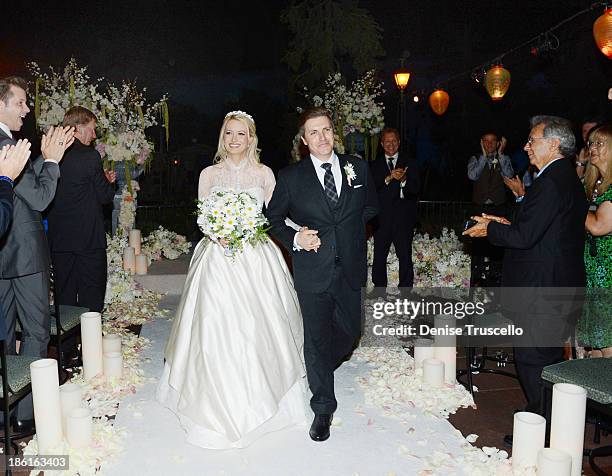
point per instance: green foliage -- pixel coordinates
(328, 33)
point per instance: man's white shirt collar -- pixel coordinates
(5, 129)
(336, 172)
(546, 166)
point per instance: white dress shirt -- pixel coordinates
(336, 172)
(5, 129)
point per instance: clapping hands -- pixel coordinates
(13, 158)
(480, 229)
(55, 142)
(516, 185)
(399, 174)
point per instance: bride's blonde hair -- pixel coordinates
(252, 151)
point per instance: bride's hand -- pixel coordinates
(223, 243)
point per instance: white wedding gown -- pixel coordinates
(234, 360)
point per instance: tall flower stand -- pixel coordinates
(135, 172)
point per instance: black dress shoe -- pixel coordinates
(319, 430)
(508, 441)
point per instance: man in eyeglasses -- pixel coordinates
(544, 247)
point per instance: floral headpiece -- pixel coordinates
(240, 113)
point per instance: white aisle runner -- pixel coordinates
(362, 442)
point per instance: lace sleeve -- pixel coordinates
(269, 184)
(205, 183)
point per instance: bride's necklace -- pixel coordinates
(596, 190)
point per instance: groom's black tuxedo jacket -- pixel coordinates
(299, 195)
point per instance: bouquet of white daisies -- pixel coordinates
(232, 217)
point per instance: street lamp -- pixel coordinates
(401, 78)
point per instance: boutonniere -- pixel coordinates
(350, 173)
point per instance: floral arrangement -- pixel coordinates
(232, 217)
(355, 109)
(162, 242)
(438, 262)
(123, 112)
(127, 212)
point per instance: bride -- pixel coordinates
(234, 360)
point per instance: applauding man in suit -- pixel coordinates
(397, 181)
(12, 161)
(332, 197)
(544, 249)
(24, 252)
(76, 222)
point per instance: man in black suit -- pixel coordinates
(76, 222)
(332, 197)
(544, 249)
(12, 161)
(397, 181)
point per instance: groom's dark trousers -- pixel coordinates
(328, 282)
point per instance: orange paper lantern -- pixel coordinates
(602, 32)
(438, 100)
(497, 82)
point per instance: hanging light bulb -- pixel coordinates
(497, 82)
(602, 32)
(416, 98)
(438, 101)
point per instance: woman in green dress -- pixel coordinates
(595, 326)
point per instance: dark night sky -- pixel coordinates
(210, 55)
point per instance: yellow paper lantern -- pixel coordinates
(497, 82)
(401, 78)
(602, 32)
(438, 100)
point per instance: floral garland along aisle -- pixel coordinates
(394, 385)
(127, 304)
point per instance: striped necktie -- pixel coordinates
(329, 184)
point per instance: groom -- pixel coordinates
(332, 197)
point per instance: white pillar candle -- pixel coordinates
(129, 259)
(141, 264)
(47, 406)
(113, 365)
(71, 397)
(553, 462)
(433, 372)
(567, 422)
(91, 340)
(445, 346)
(79, 428)
(135, 240)
(423, 349)
(527, 439)
(111, 343)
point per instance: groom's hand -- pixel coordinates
(307, 239)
